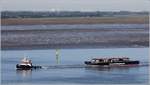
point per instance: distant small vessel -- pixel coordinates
(124, 61)
(26, 64)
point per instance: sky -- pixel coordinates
(75, 5)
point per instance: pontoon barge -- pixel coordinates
(125, 61)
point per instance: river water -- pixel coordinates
(71, 69)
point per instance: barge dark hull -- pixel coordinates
(110, 63)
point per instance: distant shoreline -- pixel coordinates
(84, 47)
(77, 20)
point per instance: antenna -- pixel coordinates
(24, 55)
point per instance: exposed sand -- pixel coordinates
(77, 20)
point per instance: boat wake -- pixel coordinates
(64, 66)
(85, 66)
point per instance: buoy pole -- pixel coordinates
(57, 56)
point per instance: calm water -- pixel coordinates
(71, 67)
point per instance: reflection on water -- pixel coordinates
(121, 68)
(24, 73)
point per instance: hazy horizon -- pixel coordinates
(75, 5)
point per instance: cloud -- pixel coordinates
(80, 5)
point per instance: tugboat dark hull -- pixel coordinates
(26, 67)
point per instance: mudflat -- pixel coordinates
(77, 38)
(74, 38)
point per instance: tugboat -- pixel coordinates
(124, 61)
(26, 64)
